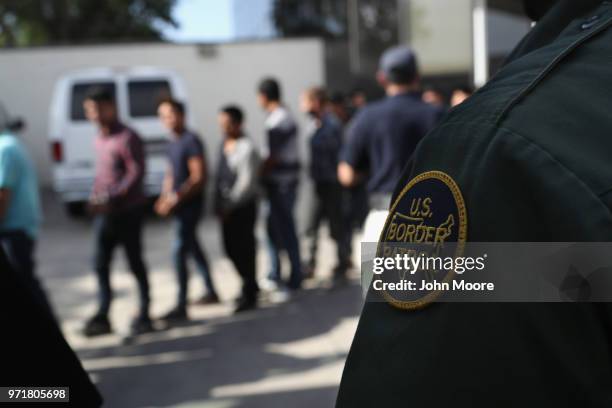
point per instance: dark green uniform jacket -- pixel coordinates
(531, 154)
(33, 351)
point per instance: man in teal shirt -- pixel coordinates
(20, 213)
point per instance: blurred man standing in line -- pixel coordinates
(182, 196)
(460, 95)
(357, 100)
(20, 214)
(339, 107)
(383, 134)
(434, 96)
(236, 201)
(356, 195)
(325, 137)
(117, 200)
(280, 176)
(355, 198)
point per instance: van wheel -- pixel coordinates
(75, 209)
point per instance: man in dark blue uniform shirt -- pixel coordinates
(384, 133)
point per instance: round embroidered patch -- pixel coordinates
(427, 220)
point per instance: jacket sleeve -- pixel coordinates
(246, 178)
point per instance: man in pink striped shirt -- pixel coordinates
(117, 201)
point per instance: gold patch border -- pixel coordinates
(461, 238)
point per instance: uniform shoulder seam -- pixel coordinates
(568, 50)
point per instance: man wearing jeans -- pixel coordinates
(117, 201)
(20, 214)
(280, 177)
(182, 196)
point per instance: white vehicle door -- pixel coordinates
(78, 133)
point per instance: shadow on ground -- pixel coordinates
(273, 356)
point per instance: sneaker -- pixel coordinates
(97, 326)
(268, 285)
(176, 315)
(141, 325)
(244, 305)
(209, 299)
(280, 296)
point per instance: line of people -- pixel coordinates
(366, 154)
(242, 174)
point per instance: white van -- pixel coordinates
(137, 91)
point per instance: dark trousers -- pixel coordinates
(329, 206)
(19, 248)
(123, 229)
(282, 231)
(186, 243)
(239, 241)
(358, 206)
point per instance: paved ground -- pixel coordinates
(283, 355)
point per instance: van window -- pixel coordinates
(144, 96)
(79, 92)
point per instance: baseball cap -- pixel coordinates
(399, 64)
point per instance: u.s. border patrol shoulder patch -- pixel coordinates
(427, 219)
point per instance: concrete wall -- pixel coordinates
(441, 33)
(214, 74)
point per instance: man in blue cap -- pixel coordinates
(384, 133)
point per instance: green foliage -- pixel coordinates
(302, 18)
(46, 22)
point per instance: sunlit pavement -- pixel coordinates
(282, 355)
